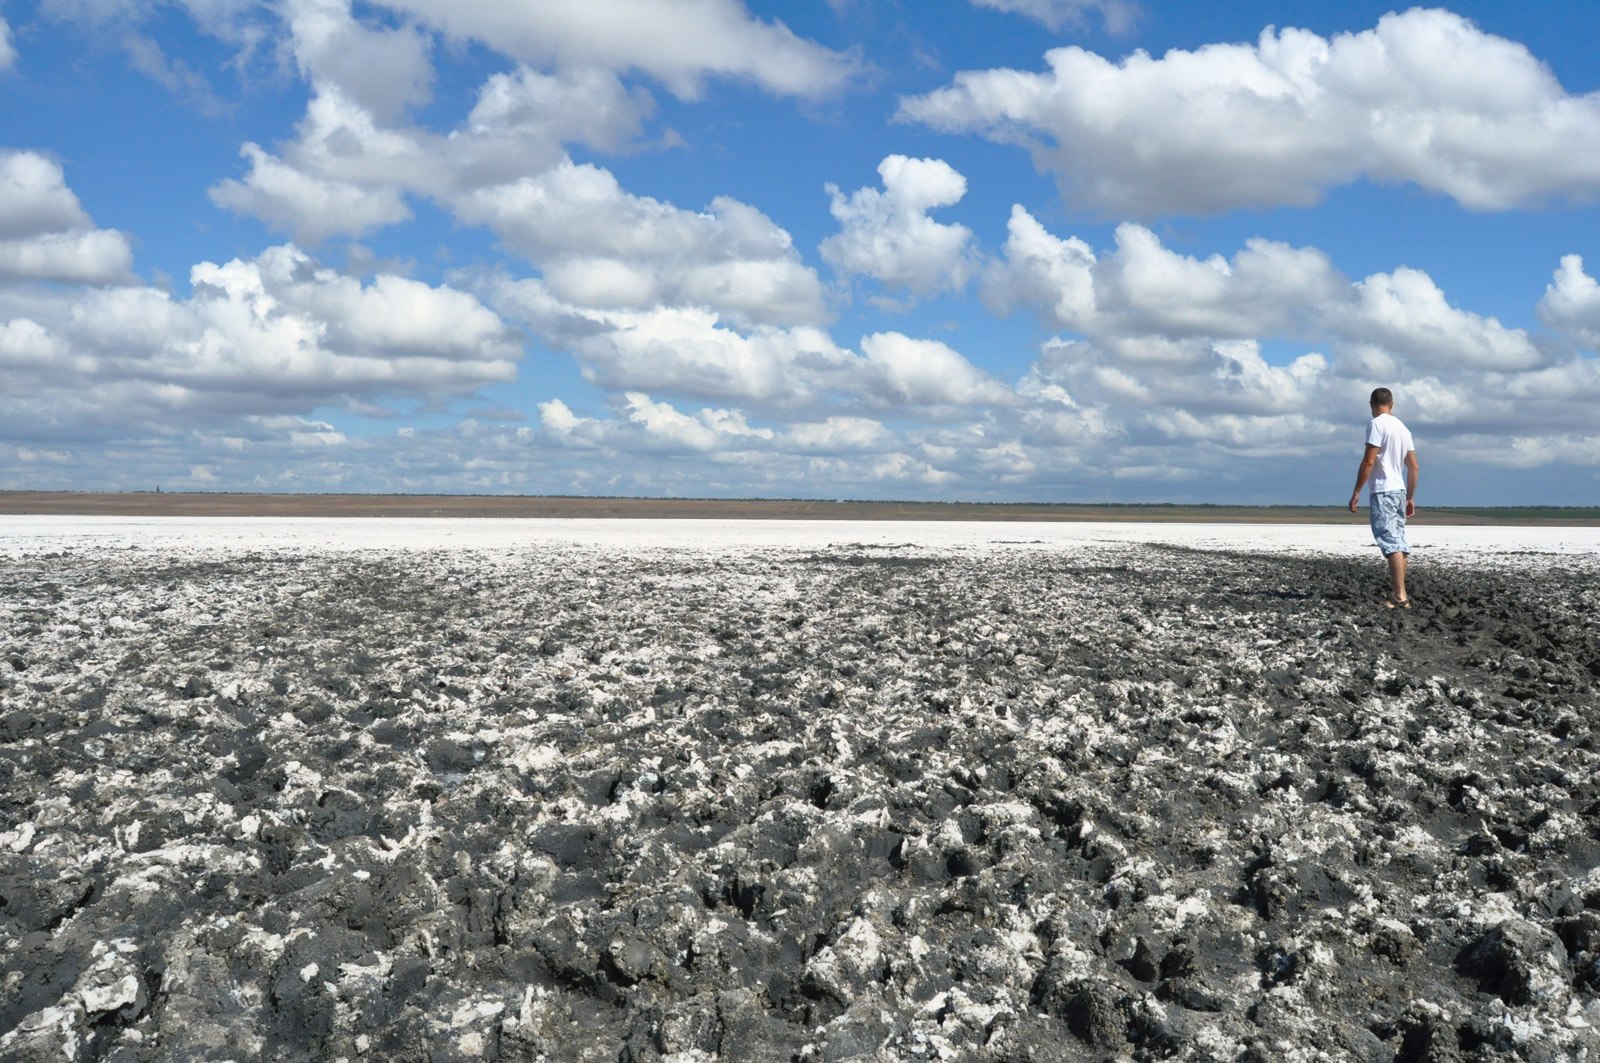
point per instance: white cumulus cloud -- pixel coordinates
(522, 118)
(1405, 312)
(45, 234)
(98, 256)
(837, 435)
(34, 197)
(707, 430)
(690, 351)
(918, 372)
(602, 247)
(681, 43)
(644, 426)
(276, 334)
(384, 69)
(1424, 98)
(1149, 301)
(1571, 303)
(348, 171)
(307, 205)
(888, 235)
(1231, 357)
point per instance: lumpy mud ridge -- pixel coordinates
(1127, 802)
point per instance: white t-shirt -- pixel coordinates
(1393, 440)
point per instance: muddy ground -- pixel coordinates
(1131, 802)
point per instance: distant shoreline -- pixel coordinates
(221, 504)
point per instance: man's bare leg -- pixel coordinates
(1397, 575)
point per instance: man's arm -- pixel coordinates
(1413, 472)
(1368, 461)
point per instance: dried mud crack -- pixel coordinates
(1125, 803)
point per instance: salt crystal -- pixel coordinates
(109, 998)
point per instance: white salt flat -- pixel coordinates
(22, 535)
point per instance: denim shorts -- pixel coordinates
(1388, 515)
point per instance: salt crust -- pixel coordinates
(21, 535)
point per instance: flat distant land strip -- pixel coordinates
(216, 504)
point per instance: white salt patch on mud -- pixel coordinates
(20, 535)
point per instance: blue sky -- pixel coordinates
(1079, 250)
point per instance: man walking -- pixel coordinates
(1391, 461)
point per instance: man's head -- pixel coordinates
(1382, 399)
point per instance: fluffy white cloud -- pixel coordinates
(297, 431)
(45, 234)
(557, 417)
(904, 371)
(678, 42)
(837, 435)
(1119, 15)
(274, 334)
(708, 430)
(597, 245)
(305, 204)
(1264, 288)
(1571, 303)
(1560, 397)
(687, 351)
(391, 317)
(603, 248)
(659, 451)
(1044, 272)
(1282, 438)
(34, 197)
(1148, 301)
(26, 345)
(98, 256)
(1143, 289)
(690, 351)
(1169, 352)
(647, 442)
(517, 128)
(646, 426)
(1425, 97)
(1195, 377)
(385, 70)
(1405, 312)
(888, 235)
(522, 119)
(667, 426)
(281, 324)
(1580, 449)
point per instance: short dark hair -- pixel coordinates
(1382, 397)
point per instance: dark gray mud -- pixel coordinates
(1129, 803)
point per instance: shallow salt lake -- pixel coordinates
(21, 535)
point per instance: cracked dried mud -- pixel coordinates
(1123, 802)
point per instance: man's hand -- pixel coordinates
(1368, 460)
(1411, 509)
